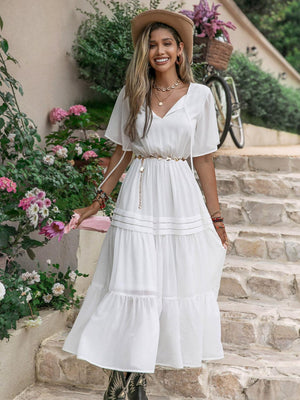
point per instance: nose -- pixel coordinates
(160, 49)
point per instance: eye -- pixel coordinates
(168, 43)
(151, 46)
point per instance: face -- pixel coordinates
(163, 50)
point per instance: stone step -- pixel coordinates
(279, 243)
(252, 371)
(41, 391)
(257, 162)
(247, 323)
(278, 185)
(260, 279)
(255, 374)
(253, 210)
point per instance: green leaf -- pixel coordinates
(31, 254)
(2, 123)
(1, 23)
(3, 108)
(28, 242)
(4, 45)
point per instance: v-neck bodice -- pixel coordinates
(189, 126)
(174, 106)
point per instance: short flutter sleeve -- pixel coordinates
(206, 136)
(116, 127)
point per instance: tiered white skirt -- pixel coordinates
(153, 299)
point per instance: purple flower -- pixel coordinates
(53, 230)
(206, 21)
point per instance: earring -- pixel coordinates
(179, 59)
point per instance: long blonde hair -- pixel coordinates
(140, 77)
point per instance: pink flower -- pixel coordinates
(47, 202)
(89, 154)
(57, 114)
(77, 110)
(7, 184)
(40, 203)
(55, 229)
(56, 148)
(41, 195)
(26, 202)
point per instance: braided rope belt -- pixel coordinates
(142, 158)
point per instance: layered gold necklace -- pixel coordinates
(167, 89)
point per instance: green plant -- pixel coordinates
(31, 169)
(74, 139)
(26, 293)
(279, 22)
(103, 45)
(263, 99)
(17, 131)
(99, 112)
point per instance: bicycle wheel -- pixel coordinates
(236, 127)
(221, 94)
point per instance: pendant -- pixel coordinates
(160, 103)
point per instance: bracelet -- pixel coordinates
(217, 219)
(101, 202)
(102, 195)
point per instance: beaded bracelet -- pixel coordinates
(217, 219)
(101, 198)
(102, 194)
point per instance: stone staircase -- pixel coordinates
(259, 300)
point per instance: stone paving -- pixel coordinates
(259, 297)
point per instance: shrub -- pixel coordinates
(264, 100)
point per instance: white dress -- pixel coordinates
(153, 298)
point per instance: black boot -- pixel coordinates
(137, 386)
(116, 386)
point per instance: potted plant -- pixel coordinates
(211, 34)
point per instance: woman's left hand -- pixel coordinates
(221, 231)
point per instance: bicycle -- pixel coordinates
(227, 104)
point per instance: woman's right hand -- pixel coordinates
(86, 212)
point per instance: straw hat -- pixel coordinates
(182, 24)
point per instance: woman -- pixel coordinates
(153, 299)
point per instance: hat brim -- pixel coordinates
(181, 23)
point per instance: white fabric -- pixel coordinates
(153, 299)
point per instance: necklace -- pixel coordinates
(161, 101)
(167, 89)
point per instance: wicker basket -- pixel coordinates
(215, 52)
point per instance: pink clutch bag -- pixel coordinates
(97, 223)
